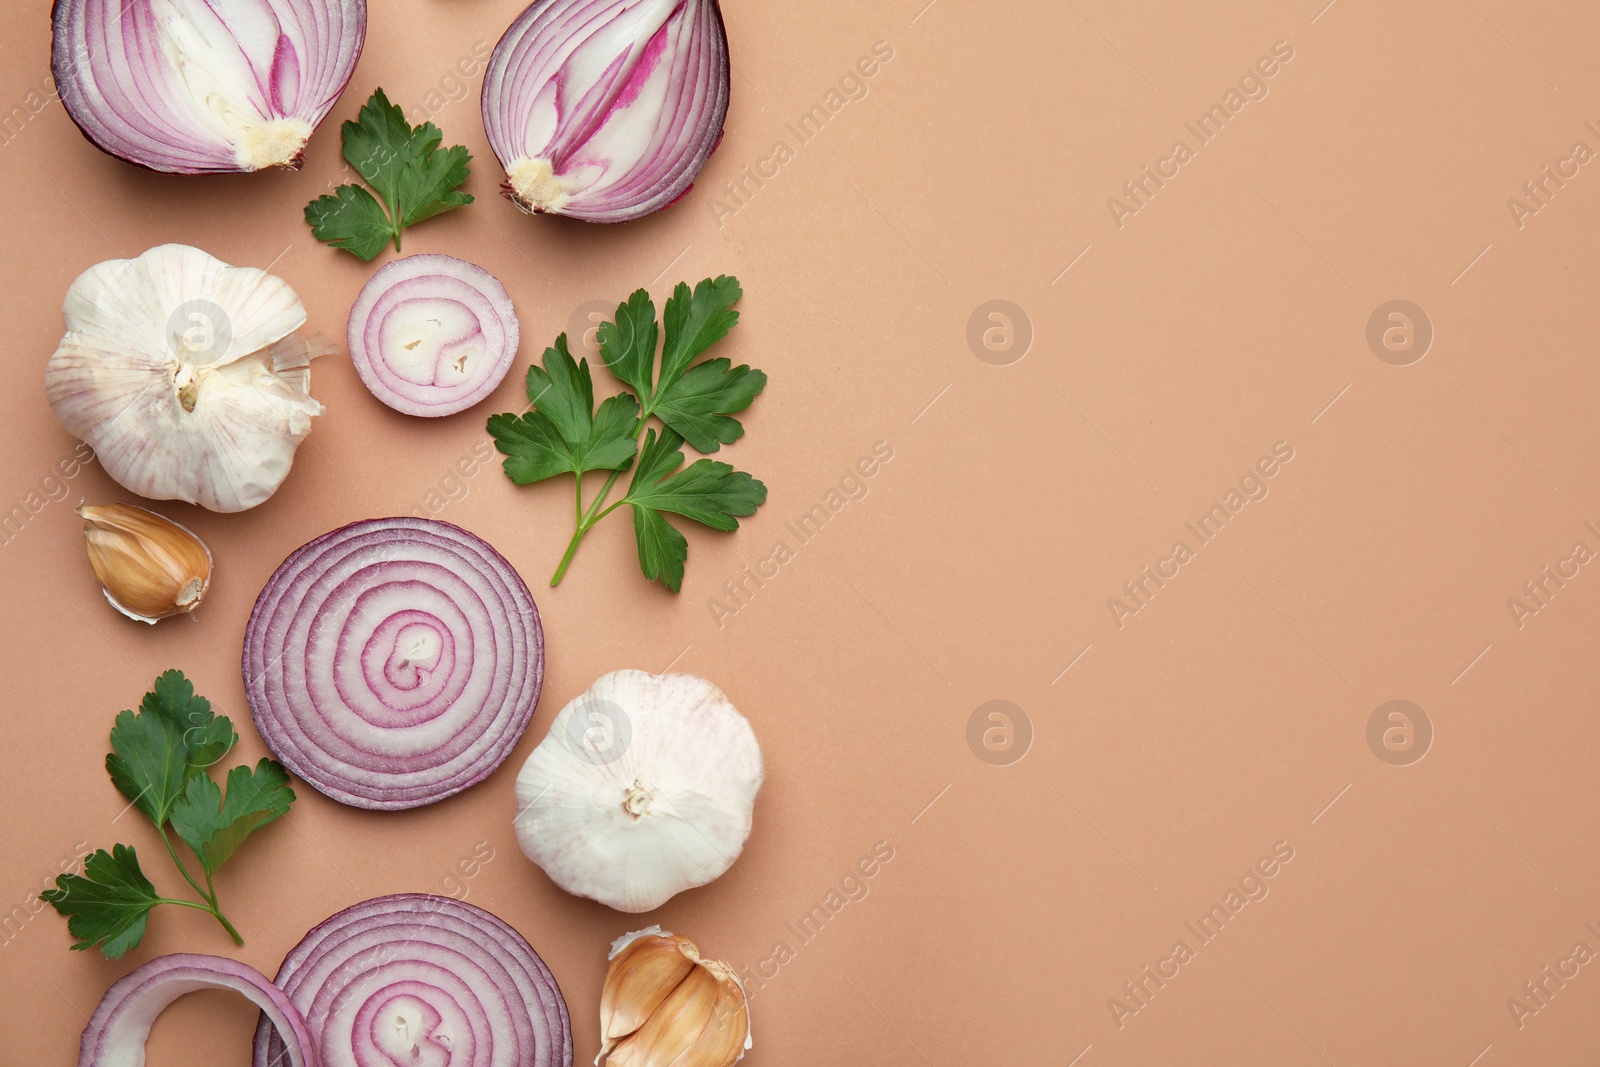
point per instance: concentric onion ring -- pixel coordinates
(393, 662)
(421, 980)
(432, 334)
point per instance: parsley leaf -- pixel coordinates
(564, 434)
(695, 403)
(706, 491)
(353, 220)
(405, 166)
(160, 760)
(109, 904)
(214, 827)
(628, 345)
(696, 322)
(171, 738)
(698, 404)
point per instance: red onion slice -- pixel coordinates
(196, 86)
(433, 334)
(423, 981)
(118, 1029)
(393, 662)
(605, 110)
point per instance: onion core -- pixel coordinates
(118, 1029)
(432, 334)
(194, 86)
(422, 980)
(393, 662)
(605, 110)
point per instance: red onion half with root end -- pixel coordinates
(432, 334)
(118, 1029)
(200, 87)
(605, 110)
(393, 662)
(422, 981)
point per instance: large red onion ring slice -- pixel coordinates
(423, 981)
(393, 662)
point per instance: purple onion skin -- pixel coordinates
(686, 169)
(380, 785)
(62, 73)
(198, 972)
(348, 940)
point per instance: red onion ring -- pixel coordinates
(432, 334)
(393, 662)
(605, 110)
(197, 87)
(118, 1029)
(424, 981)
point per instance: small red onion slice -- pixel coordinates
(605, 110)
(422, 981)
(196, 86)
(118, 1029)
(393, 662)
(432, 334)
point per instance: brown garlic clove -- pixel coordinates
(665, 1006)
(150, 566)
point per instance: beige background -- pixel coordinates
(1168, 355)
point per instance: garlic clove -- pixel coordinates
(639, 979)
(699, 1018)
(149, 566)
(185, 376)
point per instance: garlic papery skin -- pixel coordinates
(664, 1005)
(150, 567)
(644, 787)
(185, 376)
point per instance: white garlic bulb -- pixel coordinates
(185, 376)
(643, 788)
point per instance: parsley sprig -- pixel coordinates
(415, 178)
(160, 760)
(694, 402)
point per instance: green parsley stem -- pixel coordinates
(178, 863)
(210, 910)
(209, 894)
(588, 518)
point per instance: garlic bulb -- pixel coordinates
(664, 1005)
(643, 788)
(150, 566)
(185, 376)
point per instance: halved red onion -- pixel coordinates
(199, 87)
(118, 1029)
(605, 110)
(422, 981)
(393, 662)
(433, 334)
